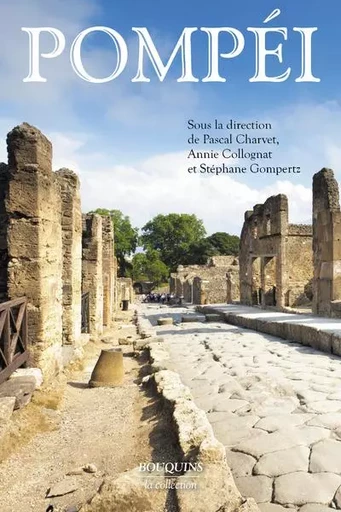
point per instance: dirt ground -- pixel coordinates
(70, 425)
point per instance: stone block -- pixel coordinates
(336, 345)
(7, 404)
(128, 493)
(310, 336)
(165, 321)
(21, 388)
(129, 340)
(294, 332)
(325, 341)
(36, 373)
(192, 318)
(213, 317)
(143, 344)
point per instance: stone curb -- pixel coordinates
(216, 490)
(304, 334)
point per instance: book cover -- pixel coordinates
(170, 258)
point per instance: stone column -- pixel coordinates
(72, 255)
(326, 242)
(282, 228)
(108, 270)
(32, 251)
(92, 276)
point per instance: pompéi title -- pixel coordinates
(184, 46)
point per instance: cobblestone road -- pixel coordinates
(275, 405)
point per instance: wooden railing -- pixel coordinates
(13, 336)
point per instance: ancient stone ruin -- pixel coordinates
(289, 265)
(61, 261)
(276, 266)
(214, 283)
(326, 245)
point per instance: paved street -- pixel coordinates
(275, 405)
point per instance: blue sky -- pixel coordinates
(128, 141)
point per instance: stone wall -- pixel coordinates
(31, 241)
(214, 283)
(275, 257)
(326, 244)
(222, 261)
(50, 254)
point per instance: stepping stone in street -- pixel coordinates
(232, 437)
(314, 507)
(274, 406)
(235, 422)
(228, 405)
(273, 507)
(283, 462)
(273, 422)
(324, 406)
(326, 456)
(302, 488)
(257, 487)
(239, 463)
(329, 420)
(268, 443)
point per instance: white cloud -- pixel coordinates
(161, 184)
(97, 131)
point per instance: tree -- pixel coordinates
(224, 243)
(200, 252)
(173, 235)
(148, 267)
(125, 236)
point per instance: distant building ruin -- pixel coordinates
(276, 258)
(214, 283)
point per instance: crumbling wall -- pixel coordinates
(108, 270)
(49, 254)
(299, 252)
(222, 261)
(72, 255)
(31, 241)
(92, 275)
(326, 244)
(217, 284)
(275, 257)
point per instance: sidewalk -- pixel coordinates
(319, 333)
